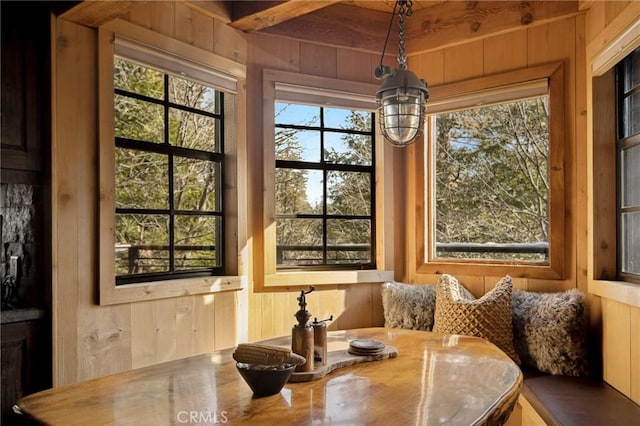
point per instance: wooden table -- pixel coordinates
(435, 379)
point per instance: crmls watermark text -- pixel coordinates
(202, 417)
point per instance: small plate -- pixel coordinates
(363, 345)
(360, 352)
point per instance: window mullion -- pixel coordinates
(219, 191)
(372, 182)
(324, 190)
(170, 177)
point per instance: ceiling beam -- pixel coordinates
(456, 22)
(258, 15)
(93, 13)
(343, 26)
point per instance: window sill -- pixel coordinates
(619, 291)
(173, 288)
(319, 278)
(491, 269)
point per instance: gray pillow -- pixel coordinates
(549, 331)
(408, 305)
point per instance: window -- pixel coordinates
(170, 218)
(628, 149)
(325, 194)
(495, 201)
(328, 195)
(168, 175)
(492, 181)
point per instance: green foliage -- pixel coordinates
(348, 193)
(492, 178)
(142, 177)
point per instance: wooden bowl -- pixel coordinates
(265, 380)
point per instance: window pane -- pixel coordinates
(336, 118)
(142, 243)
(135, 78)
(299, 241)
(195, 183)
(325, 172)
(631, 176)
(348, 193)
(192, 94)
(492, 180)
(631, 242)
(196, 238)
(632, 71)
(348, 241)
(630, 122)
(298, 145)
(298, 191)
(139, 120)
(193, 131)
(182, 168)
(343, 148)
(300, 115)
(135, 171)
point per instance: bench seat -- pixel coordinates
(567, 401)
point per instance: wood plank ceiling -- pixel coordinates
(358, 24)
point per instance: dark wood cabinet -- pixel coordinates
(25, 140)
(25, 92)
(23, 369)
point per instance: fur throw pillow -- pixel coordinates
(549, 331)
(488, 317)
(408, 305)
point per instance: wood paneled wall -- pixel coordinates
(91, 340)
(561, 40)
(619, 311)
(272, 313)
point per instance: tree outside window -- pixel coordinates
(168, 177)
(492, 182)
(324, 178)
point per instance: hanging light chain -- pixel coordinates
(404, 10)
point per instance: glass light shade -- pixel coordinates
(401, 100)
(402, 117)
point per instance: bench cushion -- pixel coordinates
(565, 400)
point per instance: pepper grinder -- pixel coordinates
(302, 334)
(320, 340)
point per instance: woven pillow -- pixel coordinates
(488, 317)
(549, 331)
(408, 306)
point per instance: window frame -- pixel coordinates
(484, 90)
(197, 62)
(326, 168)
(291, 87)
(622, 143)
(616, 42)
(170, 152)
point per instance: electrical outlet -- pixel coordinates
(13, 267)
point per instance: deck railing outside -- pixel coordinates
(136, 256)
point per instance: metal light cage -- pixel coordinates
(401, 97)
(401, 110)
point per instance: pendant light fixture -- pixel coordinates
(401, 97)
